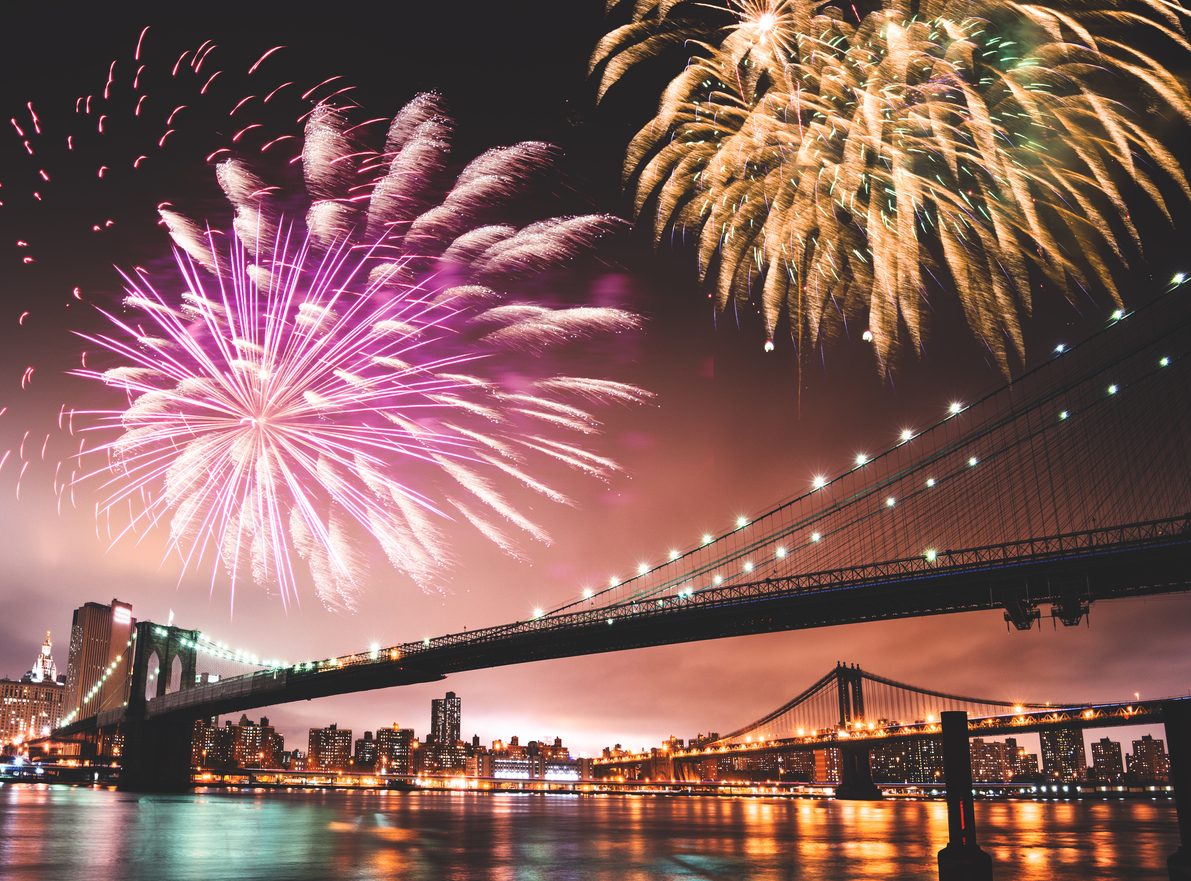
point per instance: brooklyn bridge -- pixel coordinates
(1068, 486)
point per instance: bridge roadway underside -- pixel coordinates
(1097, 573)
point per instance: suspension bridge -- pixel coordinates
(1067, 486)
(851, 711)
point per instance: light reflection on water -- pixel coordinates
(67, 833)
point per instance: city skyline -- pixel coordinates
(734, 430)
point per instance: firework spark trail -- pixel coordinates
(830, 166)
(321, 395)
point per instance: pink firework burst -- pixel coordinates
(328, 395)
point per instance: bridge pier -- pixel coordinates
(962, 859)
(856, 775)
(1177, 716)
(156, 754)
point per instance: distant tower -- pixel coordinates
(44, 668)
(97, 674)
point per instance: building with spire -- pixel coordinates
(31, 707)
(44, 668)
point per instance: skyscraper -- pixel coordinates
(1063, 756)
(444, 719)
(444, 732)
(97, 673)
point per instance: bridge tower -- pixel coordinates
(156, 754)
(856, 773)
(851, 694)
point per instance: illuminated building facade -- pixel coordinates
(330, 749)
(244, 745)
(448, 753)
(256, 746)
(918, 761)
(31, 707)
(1149, 762)
(97, 672)
(395, 750)
(995, 762)
(1063, 756)
(212, 746)
(44, 668)
(1106, 761)
(28, 709)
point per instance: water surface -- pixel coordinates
(65, 833)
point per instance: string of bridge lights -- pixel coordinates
(819, 482)
(98, 686)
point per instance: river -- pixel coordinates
(62, 833)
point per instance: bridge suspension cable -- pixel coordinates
(849, 698)
(1096, 435)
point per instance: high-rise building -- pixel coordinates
(1149, 762)
(28, 709)
(330, 748)
(394, 750)
(33, 706)
(449, 753)
(212, 746)
(97, 673)
(990, 761)
(1063, 756)
(445, 715)
(253, 745)
(1106, 761)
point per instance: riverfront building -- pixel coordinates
(33, 706)
(1149, 762)
(397, 750)
(447, 752)
(330, 749)
(97, 673)
(1063, 756)
(1106, 761)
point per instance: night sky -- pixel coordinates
(729, 433)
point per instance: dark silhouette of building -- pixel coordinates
(1106, 761)
(97, 672)
(1063, 756)
(330, 748)
(365, 757)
